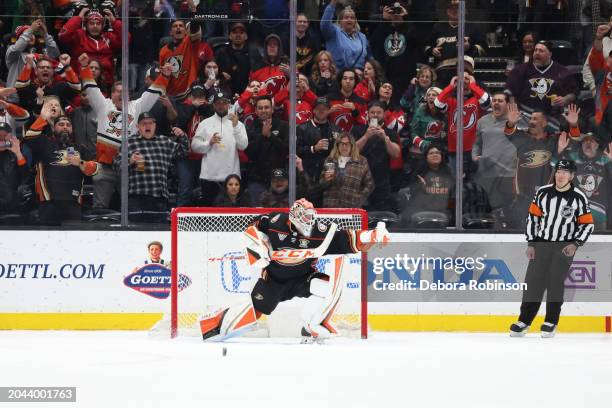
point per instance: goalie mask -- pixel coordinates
(302, 216)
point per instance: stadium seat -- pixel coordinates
(563, 52)
(217, 42)
(11, 219)
(429, 220)
(478, 221)
(388, 217)
(102, 214)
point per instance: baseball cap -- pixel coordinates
(236, 25)
(146, 115)
(197, 89)
(584, 136)
(5, 127)
(279, 173)
(94, 15)
(221, 96)
(321, 100)
(469, 60)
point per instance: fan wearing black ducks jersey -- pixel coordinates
(284, 249)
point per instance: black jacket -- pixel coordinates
(236, 63)
(308, 134)
(267, 153)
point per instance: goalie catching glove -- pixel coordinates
(368, 238)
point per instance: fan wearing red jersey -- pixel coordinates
(270, 71)
(283, 249)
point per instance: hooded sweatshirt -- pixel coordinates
(268, 71)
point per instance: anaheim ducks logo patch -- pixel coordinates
(536, 158)
(589, 183)
(540, 87)
(176, 64)
(395, 44)
(61, 158)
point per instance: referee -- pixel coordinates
(559, 221)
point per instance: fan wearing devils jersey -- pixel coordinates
(601, 65)
(85, 34)
(347, 109)
(428, 124)
(475, 104)
(305, 101)
(245, 105)
(270, 71)
(284, 279)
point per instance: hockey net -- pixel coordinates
(209, 271)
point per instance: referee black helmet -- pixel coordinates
(568, 165)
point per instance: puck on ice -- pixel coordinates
(224, 351)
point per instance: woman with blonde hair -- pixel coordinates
(323, 75)
(349, 46)
(346, 179)
(414, 95)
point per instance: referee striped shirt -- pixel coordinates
(559, 216)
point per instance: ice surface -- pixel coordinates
(131, 369)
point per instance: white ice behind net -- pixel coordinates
(210, 257)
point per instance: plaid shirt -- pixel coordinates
(158, 152)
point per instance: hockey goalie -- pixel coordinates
(283, 250)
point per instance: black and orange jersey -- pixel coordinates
(56, 178)
(283, 235)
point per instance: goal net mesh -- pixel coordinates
(213, 273)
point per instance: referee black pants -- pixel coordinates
(547, 272)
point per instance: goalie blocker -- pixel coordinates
(283, 249)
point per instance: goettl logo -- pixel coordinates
(154, 280)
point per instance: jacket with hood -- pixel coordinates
(268, 71)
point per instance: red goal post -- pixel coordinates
(198, 231)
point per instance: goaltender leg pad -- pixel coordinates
(321, 305)
(226, 323)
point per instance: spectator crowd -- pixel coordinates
(376, 107)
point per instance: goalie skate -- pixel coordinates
(312, 337)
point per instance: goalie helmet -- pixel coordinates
(302, 216)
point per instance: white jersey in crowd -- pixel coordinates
(110, 119)
(221, 159)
